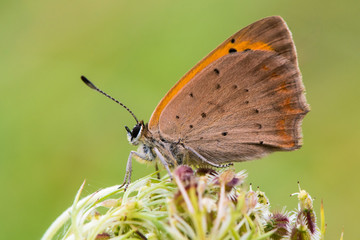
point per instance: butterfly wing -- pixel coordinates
(269, 34)
(242, 101)
(242, 106)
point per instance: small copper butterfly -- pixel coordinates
(244, 100)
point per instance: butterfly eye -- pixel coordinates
(135, 132)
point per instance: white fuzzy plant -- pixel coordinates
(196, 205)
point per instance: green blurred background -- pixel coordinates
(55, 132)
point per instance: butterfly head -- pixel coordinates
(135, 134)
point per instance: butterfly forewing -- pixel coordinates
(268, 34)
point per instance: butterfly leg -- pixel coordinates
(163, 161)
(127, 178)
(205, 160)
(157, 170)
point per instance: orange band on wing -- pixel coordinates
(288, 140)
(221, 51)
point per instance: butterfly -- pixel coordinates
(244, 100)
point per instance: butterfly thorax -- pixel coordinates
(173, 152)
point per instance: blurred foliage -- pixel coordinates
(55, 132)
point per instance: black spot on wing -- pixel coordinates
(232, 50)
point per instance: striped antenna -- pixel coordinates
(91, 85)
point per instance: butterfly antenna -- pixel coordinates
(91, 85)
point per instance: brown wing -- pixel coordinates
(240, 107)
(268, 34)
